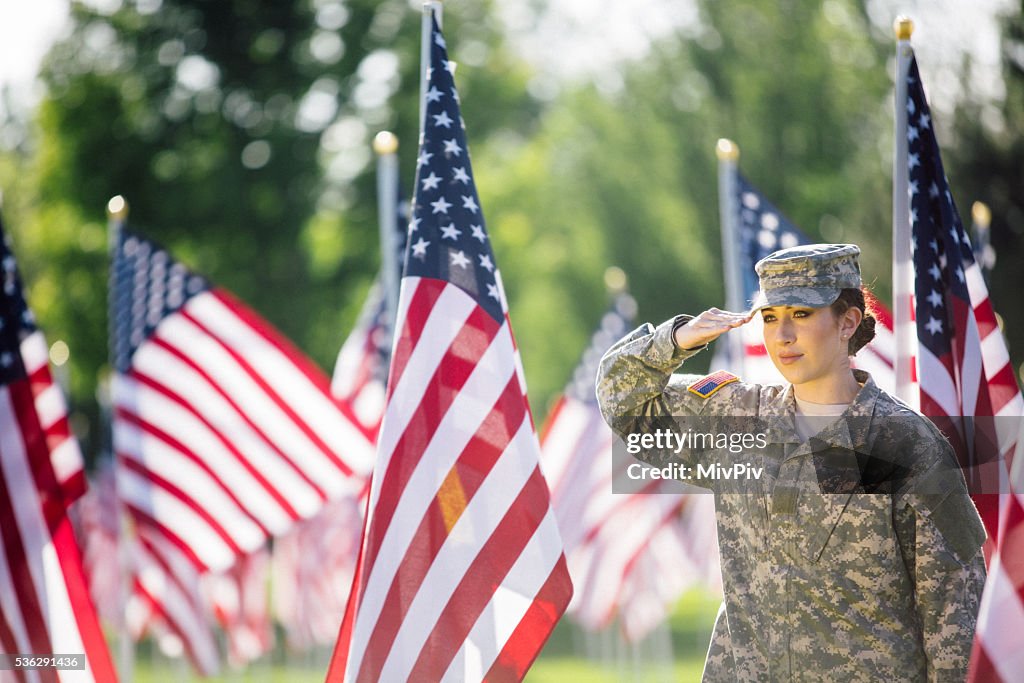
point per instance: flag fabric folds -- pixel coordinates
(224, 433)
(630, 555)
(964, 371)
(45, 606)
(461, 574)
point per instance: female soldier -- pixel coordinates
(856, 553)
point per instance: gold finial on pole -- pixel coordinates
(615, 280)
(727, 150)
(385, 142)
(904, 27)
(117, 208)
(981, 214)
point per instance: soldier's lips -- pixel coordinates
(790, 358)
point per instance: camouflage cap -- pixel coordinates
(807, 275)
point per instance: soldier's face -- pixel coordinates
(804, 343)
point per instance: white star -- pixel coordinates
(459, 259)
(492, 291)
(910, 106)
(935, 299)
(420, 248)
(942, 260)
(914, 160)
(960, 275)
(955, 235)
(913, 218)
(452, 147)
(925, 120)
(478, 232)
(434, 95)
(934, 245)
(912, 188)
(460, 174)
(430, 182)
(935, 272)
(450, 232)
(439, 40)
(6, 359)
(933, 190)
(485, 262)
(414, 224)
(423, 159)
(912, 134)
(442, 119)
(449, 66)
(934, 326)
(469, 203)
(455, 96)
(440, 206)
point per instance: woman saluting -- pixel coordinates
(856, 555)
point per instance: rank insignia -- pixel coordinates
(708, 385)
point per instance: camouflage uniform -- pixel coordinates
(822, 582)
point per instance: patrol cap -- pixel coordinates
(807, 275)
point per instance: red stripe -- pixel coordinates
(238, 411)
(175, 491)
(552, 419)
(339, 658)
(424, 296)
(8, 643)
(472, 467)
(1002, 388)
(187, 642)
(525, 643)
(481, 580)
(245, 462)
(51, 496)
(144, 519)
(878, 310)
(276, 398)
(450, 375)
(81, 604)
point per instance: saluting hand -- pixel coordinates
(708, 326)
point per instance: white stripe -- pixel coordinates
(445, 322)
(976, 289)
(180, 422)
(994, 353)
(176, 517)
(939, 384)
(1000, 620)
(459, 425)
(474, 527)
(50, 406)
(559, 448)
(971, 369)
(251, 399)
(44, 565)
(34, 353)
(164, 462)
(510, 603)
(8, 592)
(312, 405)
(66, 457)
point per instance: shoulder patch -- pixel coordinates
(706, 386)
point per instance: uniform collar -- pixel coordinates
(846, 433)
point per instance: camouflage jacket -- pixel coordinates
(823, 580)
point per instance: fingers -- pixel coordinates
(708, 326)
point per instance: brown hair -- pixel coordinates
(865, 332)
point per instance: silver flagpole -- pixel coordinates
(385, 144)
(728, 155)
(902, 266)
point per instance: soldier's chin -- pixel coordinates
(789, 373)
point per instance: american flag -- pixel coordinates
(224, 433)
(763, 229)
(964, 370)
(44, 598)
(612, 539)
(461, 573)
(240, 601)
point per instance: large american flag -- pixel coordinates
(224, 433)
(964, 369)
(44, 597)
(615, 542)
(461, 573)
(764, 229)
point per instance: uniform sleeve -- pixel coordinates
(941, 541)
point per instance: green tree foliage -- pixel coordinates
(985, 164)
(626, 174)
(240, 133)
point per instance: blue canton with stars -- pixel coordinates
(615, 323)
(763, 230)
(147, 285)
(16, 320)
(447, 236)
(942, 251)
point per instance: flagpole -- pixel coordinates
(984, 254)
(431, 8)
(728, 155)
(385, 144)
(117, 216)
(902, 267)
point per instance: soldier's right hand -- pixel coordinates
(708, 326)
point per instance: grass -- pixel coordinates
(570, 656)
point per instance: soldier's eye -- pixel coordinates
(768, 318)
(801, 314)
